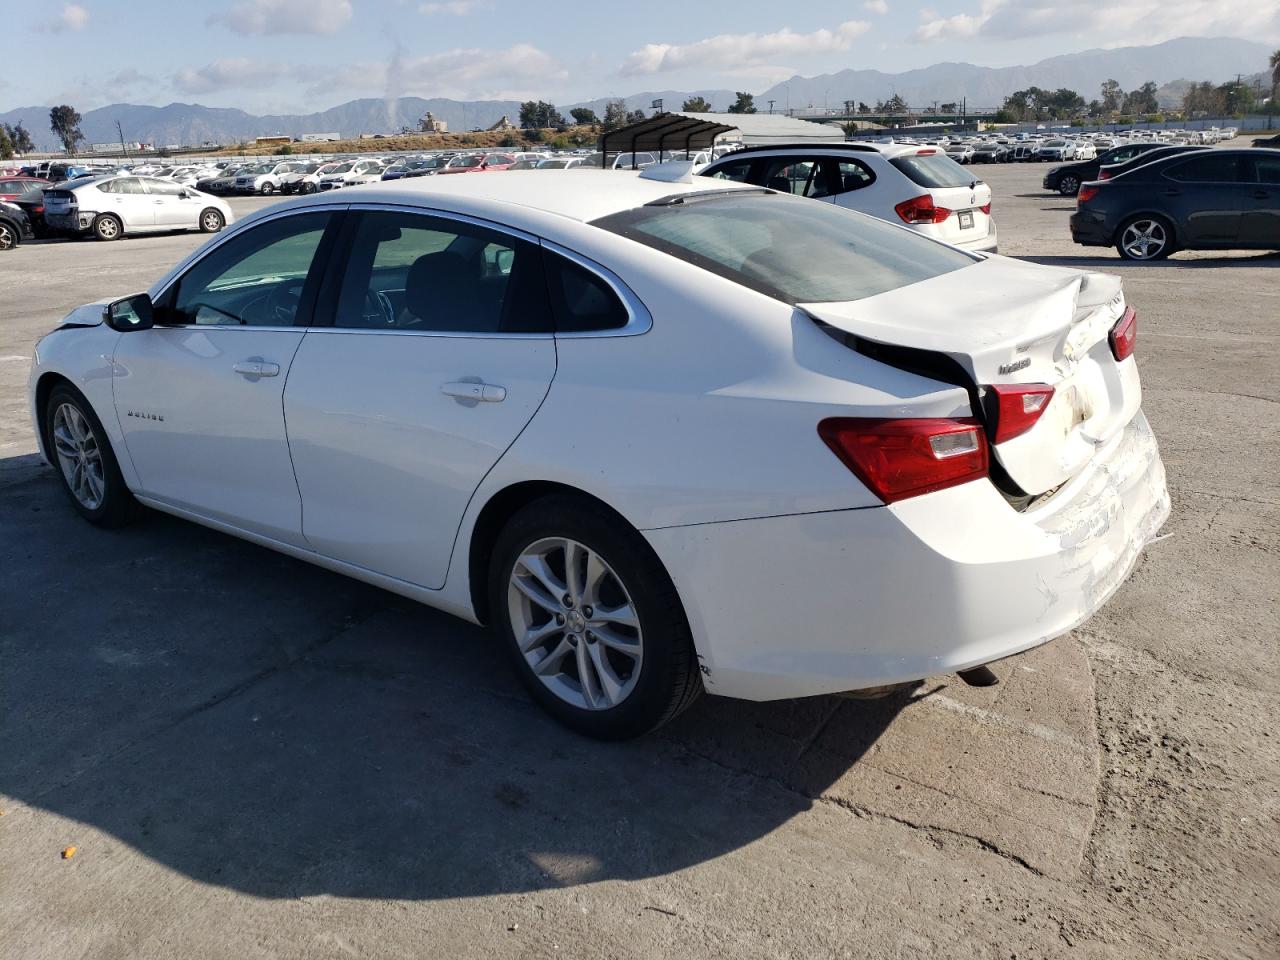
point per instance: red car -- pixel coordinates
(13, 187)
(479, 163)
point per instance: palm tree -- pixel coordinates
(1275, 83)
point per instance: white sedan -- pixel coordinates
(661, 436)
(116, 206)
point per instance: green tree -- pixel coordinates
(615, 115)
(583, 115)
(635, 116)
(65, 124)
(864, 107)
(19, 137)
(537, 114)
(1112, 96)
(948, 107)
(6, 144)
(1275, 85)
(1142, 100)
(745, 103)
(1237, 98)
(696, 105)
(894, 105)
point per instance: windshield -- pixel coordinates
(933, 170)
(343, 168)
(469, 162)
(553, 164)
(791, 249)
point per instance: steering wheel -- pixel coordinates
(283, 301)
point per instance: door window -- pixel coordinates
(738, 171)
(412, 272)
(802, 177)
(162, 188)
(254, 279)
(852, 175)
(1267, 169)
(1206, 168)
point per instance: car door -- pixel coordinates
(802, 176)
(173, 205)
(846, 178)
(437, 354)
(199, 396)
(1205, 195)
(1260, 222)
(126, 198)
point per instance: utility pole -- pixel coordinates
(771, 106)
(120, 131)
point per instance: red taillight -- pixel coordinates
(1086, 194)
(898, 459)
(986, 208)
(921, 209)
(1104, 174)
(1017, 408)
(925, 153)
(1124, 334)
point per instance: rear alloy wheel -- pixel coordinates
(1145, 238)
(211, 221)
(78, 446)
(107, 227)
(8, 239)
(591, 620)
(1069, 186)
(267, 189)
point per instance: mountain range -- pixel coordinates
(1214, 59)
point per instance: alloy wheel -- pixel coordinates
(575, 624)
(79, 456)
(1069, 186)
(108, 228)
(1144, 239)
(6, 237)
(212, 221)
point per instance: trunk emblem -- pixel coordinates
(1015, 365)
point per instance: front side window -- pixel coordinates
(794, 252)
(254, 279)
(430, 274)
(1266, 169)
(163, 188)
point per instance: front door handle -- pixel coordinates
(1173, 193)
(1260, 194)
(257, 368)
(476, 392)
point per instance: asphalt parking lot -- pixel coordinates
(257, 758)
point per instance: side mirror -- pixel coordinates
(131, 313)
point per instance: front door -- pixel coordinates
(1205, 194)
(174, 205)
(199, 396)
(437, 355)
(1260, 226)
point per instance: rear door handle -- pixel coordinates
(1173, 193)
(257, 368)
(1260, 194)
(477, 392)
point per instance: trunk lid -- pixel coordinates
(1022, 323)
(952, 187)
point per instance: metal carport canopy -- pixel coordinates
(663, 131)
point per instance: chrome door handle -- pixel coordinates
(257, 368)
(476, 392)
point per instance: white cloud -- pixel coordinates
(71, 18)
(230, 73)
(285, 16)
(740, 52)
(876, 6)
(515, 73)
(1106, 23)
(454, 8)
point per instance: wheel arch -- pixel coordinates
(44, 387)
(494, 515)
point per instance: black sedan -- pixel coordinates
(14, 226)
(1267, 141)
(1209, 200)
(1067, 178)
(1159, 153)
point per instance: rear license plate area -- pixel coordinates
(966, 219)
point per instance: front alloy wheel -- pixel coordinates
(1069, 186)
(1144, 238)
(79, 456)
(7, 241)
(575, 624)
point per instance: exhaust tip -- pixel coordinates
(978, 676)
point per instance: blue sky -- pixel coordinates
(305, 55)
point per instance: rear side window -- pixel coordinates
(581, 300)
(933, 170)
(852, 175)
(788, 249)
(1267, 169)
(1206, 168)
(738, 171)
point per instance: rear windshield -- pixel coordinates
(933, 170)
(795, 250)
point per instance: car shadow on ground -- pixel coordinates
(258, 723)
(1175, 262)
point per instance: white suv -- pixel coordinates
(908, 184)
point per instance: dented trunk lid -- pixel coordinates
(1005, 321)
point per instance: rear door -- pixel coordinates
(798, 175)
(1260, 223)
(1206, 196)
(437, 354)
(126, 198)
(952, 187)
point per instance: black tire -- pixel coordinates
(108, 227)
(669, 679)
(1069, 185)
(10, 235)
(1168, 246)
(118, 506)
(211, 220)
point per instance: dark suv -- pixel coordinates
(1208, 200)
(1067, 178)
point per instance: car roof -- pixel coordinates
(582, 193)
